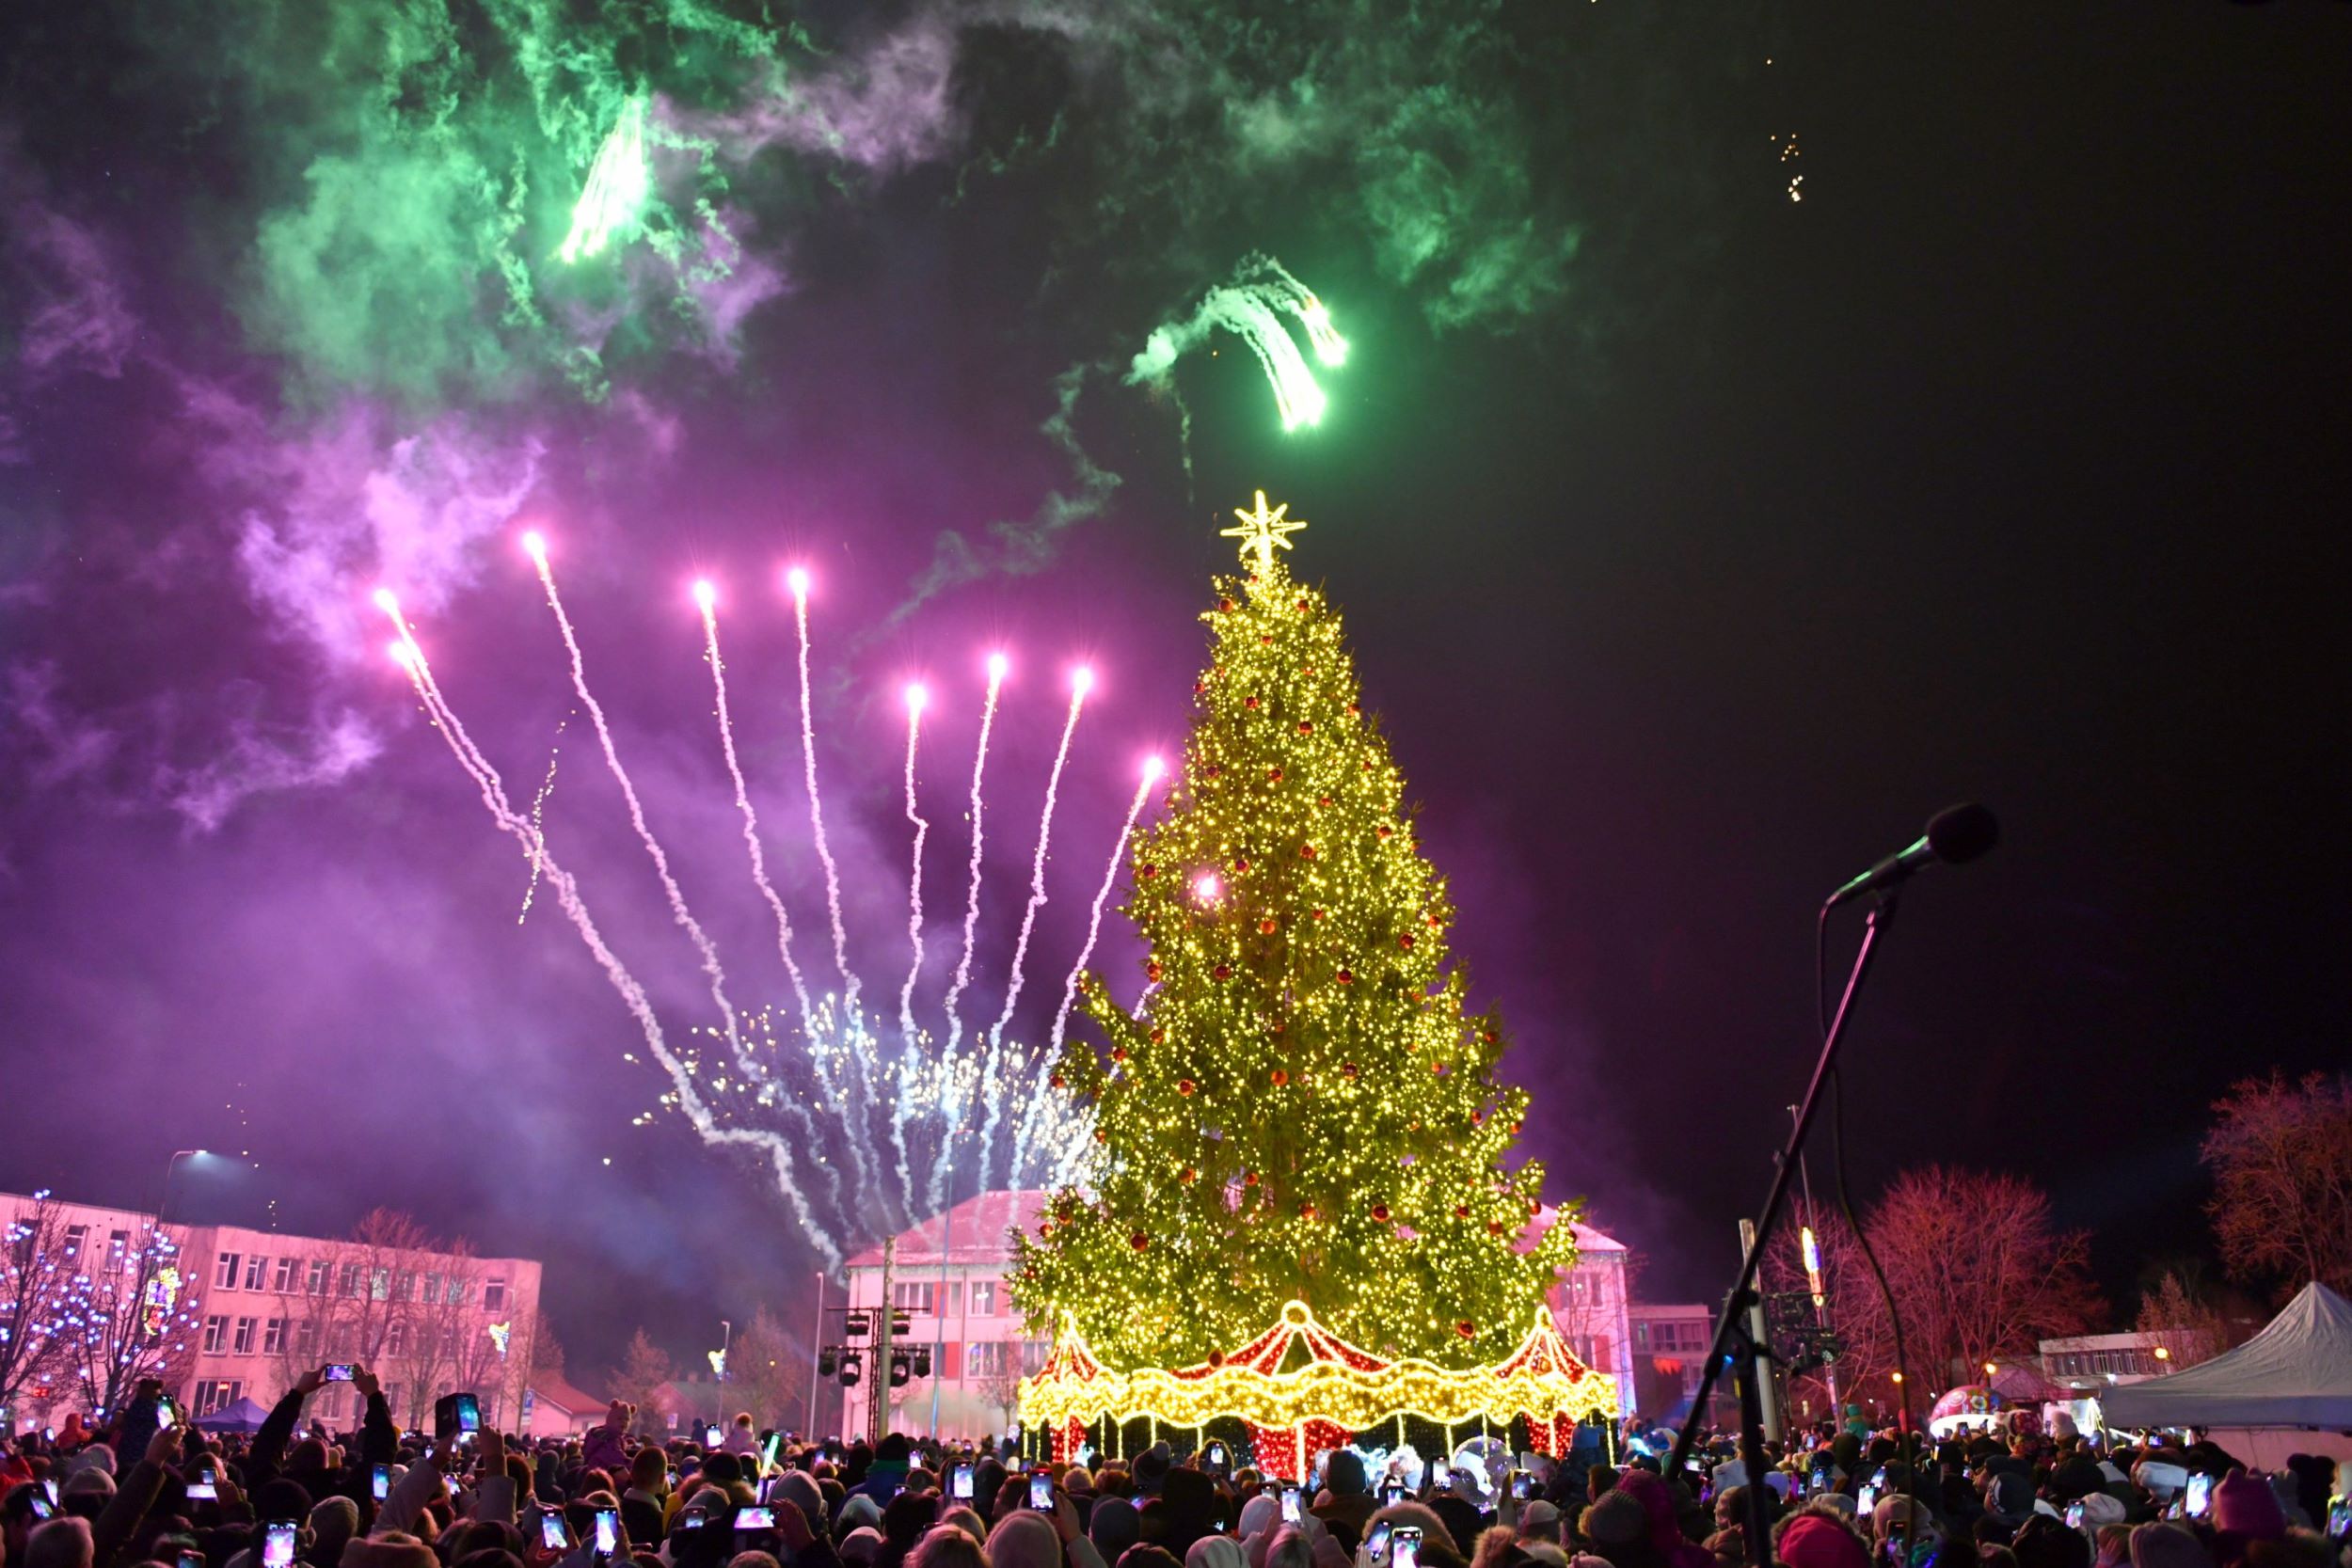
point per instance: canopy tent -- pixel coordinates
(2295, 1375)
(243, 1415)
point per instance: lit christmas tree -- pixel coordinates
(1302, 1108)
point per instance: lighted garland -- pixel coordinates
(1340, 1385)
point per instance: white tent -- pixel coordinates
(2295, 1375)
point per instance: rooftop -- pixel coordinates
(974, 1232)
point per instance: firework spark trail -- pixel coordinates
(996, 668)
(907, 1032)
(539, 816)
(617, 189)
(856, 1095)
(707, 599)
(568, 898)
(1034, 1119)
(991, 1076)
(1247, 307)
(678, 911)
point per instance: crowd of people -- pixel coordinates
(149, 1490)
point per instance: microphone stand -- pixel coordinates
(1734, 1346)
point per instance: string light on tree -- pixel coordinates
(1304, 1056)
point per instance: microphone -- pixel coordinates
(1955, 836)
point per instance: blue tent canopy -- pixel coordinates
(243, 1415)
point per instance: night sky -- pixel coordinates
(1696, 544)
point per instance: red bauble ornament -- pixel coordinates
(1432, 921)
(1279, 1077)
(1461, 1210)
(1045, 1229)
(1058, 1081)
(1211, 772)
(1467, 1329)
(1534, 1206)
(1345, 977)
(1274, 775)
(1138, 1241)
(1250, 701)
(1222, 972)
(1303, 604)
(1265, 927)
(1274, 1027)
(1306, 851)
(1349, 1071)
(1306, 726)
(1307, 1212)
(1440, 1068)
(1241, 865)
(1187, 1176)
(1489, 1037)
(1494, 1227)
(1101, 1136)
(1152, 970)
(1250, 1178)
(1385, 829)
(1514, 1128)
(1380, 1213)
(1184, 1088)
(1352, 710)
(1478, 1118)
(1315, 914)
(1406, 941)
(1158, 1036)
(1198, 688)
(1225, 605)
(1323, 800)
(1216, 1358)
(1118, 1053)
(1147, 870)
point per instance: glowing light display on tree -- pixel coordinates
(1303, 1109)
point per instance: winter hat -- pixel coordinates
(2168, 1546)
(392, 1550)
(93, 1482)
(1812, 1541)
(1780, 1482)
(1112, 1527)
(335, 1519)
(1151, 1465)
(800, 1488)
(862, 1544)
(1841, 1503)
(1617, 1520)
(2247, 1505)
(1538, 1515)
(2009, 1498)
(2160, 1477)
(1730, 1473)
(2098, 1509)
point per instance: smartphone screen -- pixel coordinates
(607, 1531)
(710, 1437)
(278, 1544)
(49, 1484)
(553, 1534)
(1868, 1497)
(380, 1483)
(1376, 1544)
(754, 1518)
(1393, 1494)
(2073, 1516)
(964, 1482)
(191, 1560)
(42, 1507)
(1214, 1455)
(1522, 1485)
(1290, 1505)
(204, 1489)
(2340, 1517)
(337, 1371)
(1404, 1549)
(1041, 1491)
(164, 1415)
(468, 1413)
(2198, 1497)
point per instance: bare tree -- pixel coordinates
(2281, 1155)
(644, 1368)
(1978, 1270)
(2185, 1326)
(1002, 1389)
(36, 1292)
(767, 1370)
(1852, 1302)
(133, 1319)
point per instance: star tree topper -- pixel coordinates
(1262, 532)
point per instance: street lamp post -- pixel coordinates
(171, 1169)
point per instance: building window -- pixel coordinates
(379, 1284)
(494, 1295)
(912, 1296)
(987, 1358)
(432, 1288)
(305, 1340)
(349, 1283)
(403, 1285)
(216, 1393)
(274, 1337)
(225, 1271)
(215, 1334)
(118, 1251)
(984, 1298)
(289, 1269)
(396, 1338)
(1640, 1336)
(244, 1344)
(256, 1271)
(74, 1236)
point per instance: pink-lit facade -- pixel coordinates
(269, 1307)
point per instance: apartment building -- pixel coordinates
(258, 1308)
